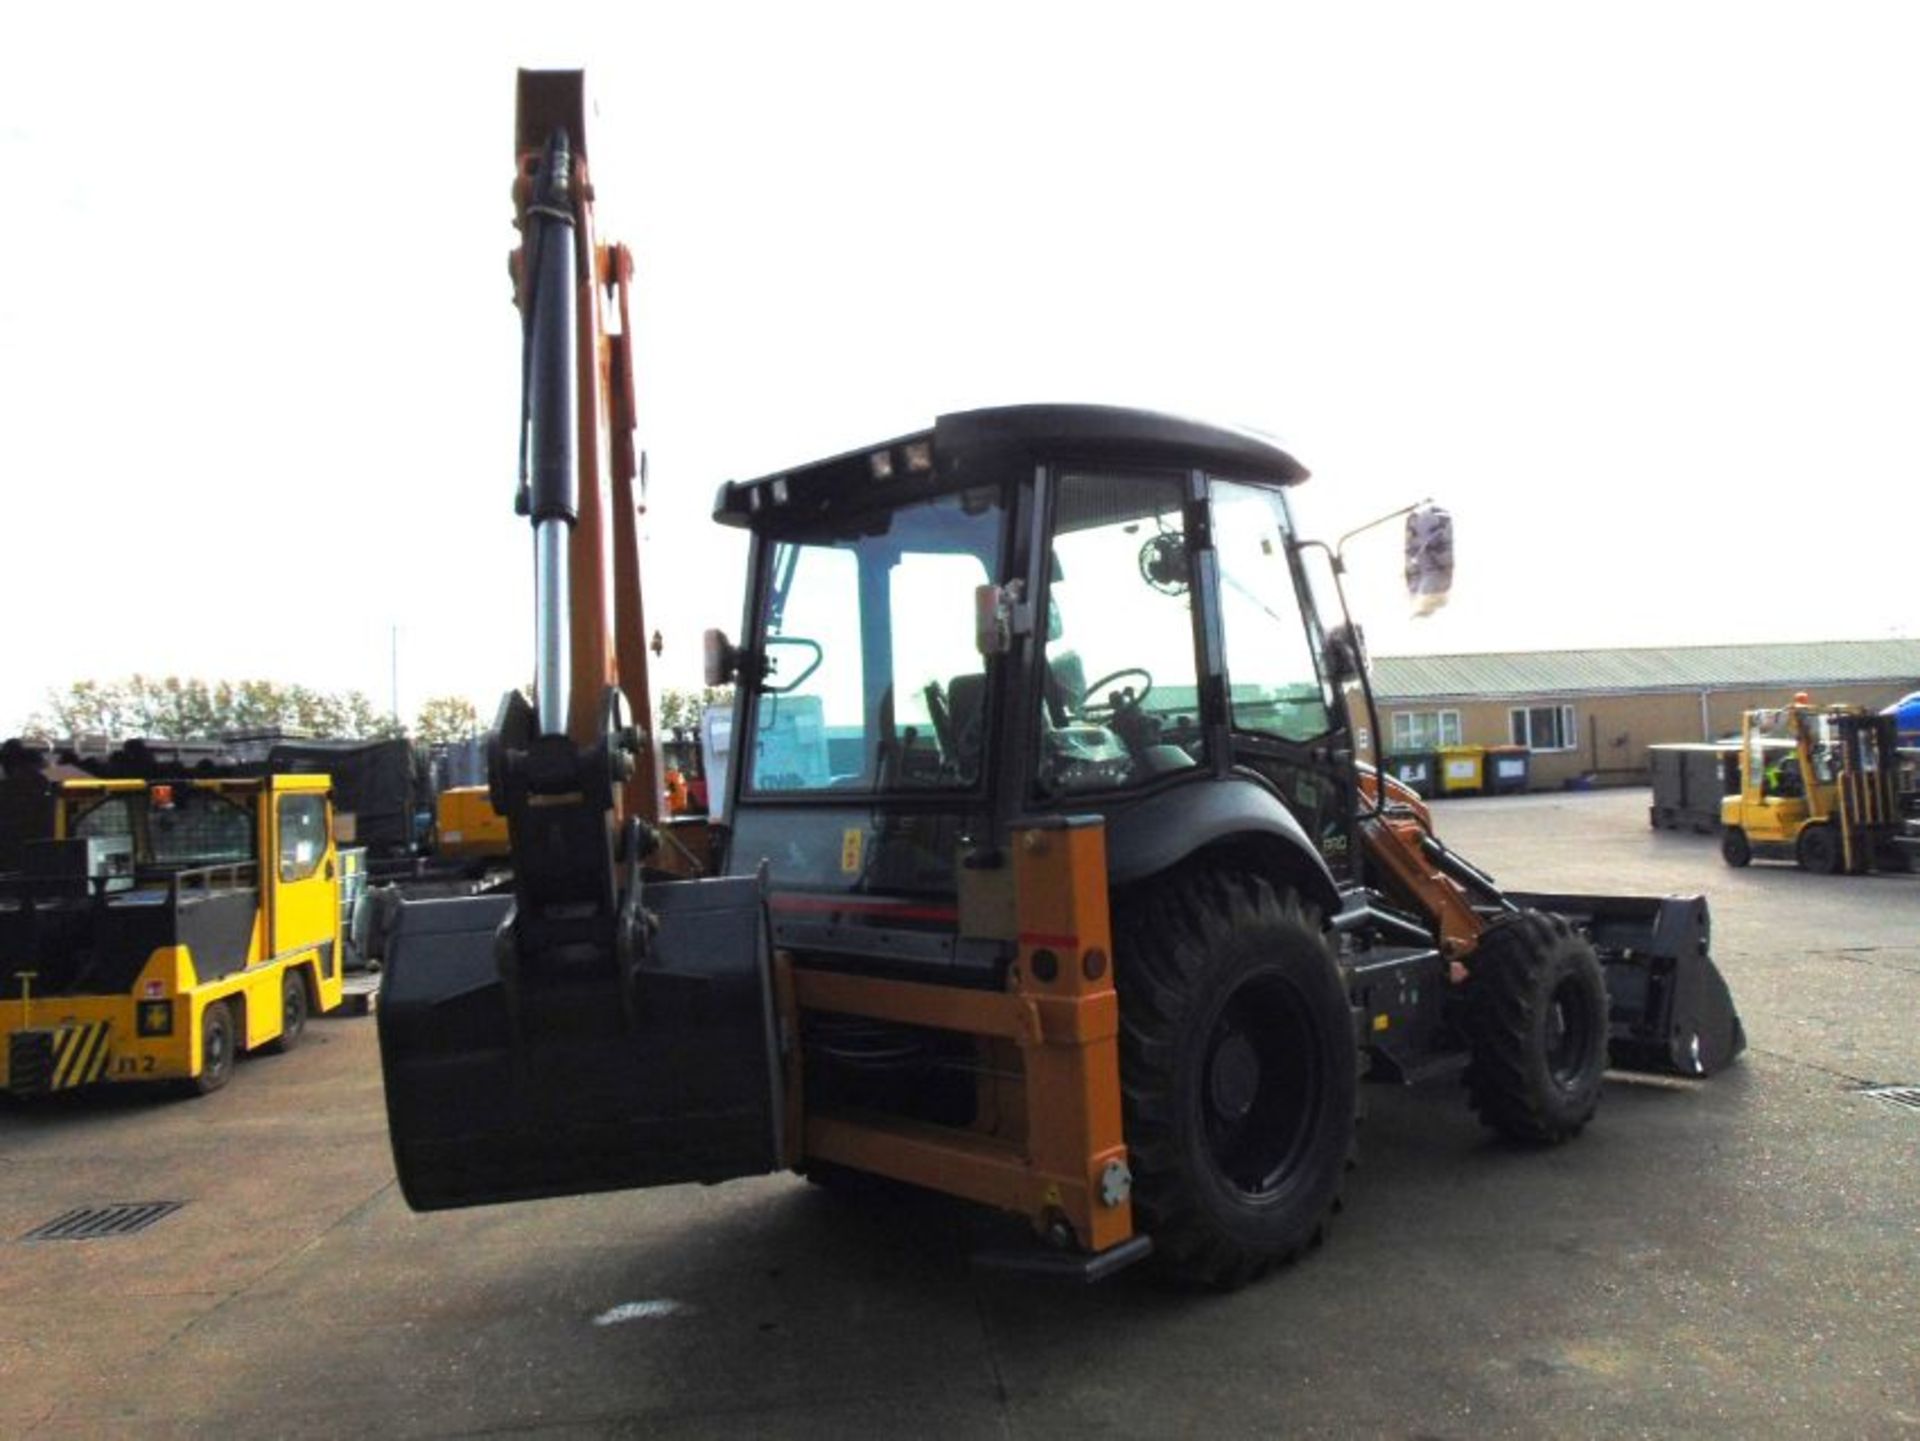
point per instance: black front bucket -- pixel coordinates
(564, 1085)
(1668, 1005)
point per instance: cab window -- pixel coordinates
(303, 835)
(1121, 694)
(1275, 686)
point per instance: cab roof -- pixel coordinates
(973, 445)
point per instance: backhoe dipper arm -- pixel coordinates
(557, 765)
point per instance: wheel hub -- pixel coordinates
(1233, 1080)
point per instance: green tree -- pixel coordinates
(172, 708)
(680, 710)
(446, 718)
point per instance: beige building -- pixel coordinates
(1592, 713)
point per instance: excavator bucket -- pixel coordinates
(1668, 1005)
(506, 1084)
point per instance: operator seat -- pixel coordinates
(967, 708)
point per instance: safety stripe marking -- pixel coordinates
(80, 1054)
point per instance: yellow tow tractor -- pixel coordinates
(166, 927)
(1818, 785)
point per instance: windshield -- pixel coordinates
(873, 679)
(176, 826)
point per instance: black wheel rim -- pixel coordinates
(294, 1009)
(1570, 1034)
(1259, 1088)
(217, 1045)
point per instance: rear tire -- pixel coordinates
(218, 1049)
(1537, 1021)
(1818, 849)
(294, 1008)
(1735, 849)
(1239, 1073)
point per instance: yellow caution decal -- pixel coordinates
(79, 1055)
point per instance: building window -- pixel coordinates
(1544, 728)
(1425, 730)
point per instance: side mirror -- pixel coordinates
(1346, 654)
(1429, 558)
(721, 656)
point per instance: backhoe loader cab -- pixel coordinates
(1818, 785)
(1021, 613)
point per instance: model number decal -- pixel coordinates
(133, 1065)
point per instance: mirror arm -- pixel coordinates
(1340, 545)
(1366, 680)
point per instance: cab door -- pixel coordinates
(304, 881)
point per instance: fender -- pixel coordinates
(1164, 829)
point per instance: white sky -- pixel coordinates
(1634, 289)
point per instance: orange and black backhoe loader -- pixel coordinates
(1050, 878)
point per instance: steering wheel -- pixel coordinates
(1131, 700)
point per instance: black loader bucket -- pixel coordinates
(1668, 1005)
(506, 1083)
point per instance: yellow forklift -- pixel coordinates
(1818, 785)
(165, 928)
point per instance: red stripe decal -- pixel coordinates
(1037, 939)
(864, 908)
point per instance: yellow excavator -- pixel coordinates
(1049, 877)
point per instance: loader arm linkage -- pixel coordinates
(1669, 1007)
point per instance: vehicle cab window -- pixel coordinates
(873, 681)
(303, 835)
(1275, 686)
(1121, 701)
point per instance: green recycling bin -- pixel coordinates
(1507, 770)
(1416, 770)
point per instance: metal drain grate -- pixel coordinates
(92, 1223)
(1906, 1096)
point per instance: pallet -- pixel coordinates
(361, 995)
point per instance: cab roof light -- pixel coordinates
(919, 456)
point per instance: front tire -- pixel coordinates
(1537, 1021)
(1239, 1073)
(1817, 849)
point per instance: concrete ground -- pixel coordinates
(1739, 1257)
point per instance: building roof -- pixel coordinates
(1514, 674)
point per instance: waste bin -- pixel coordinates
(1416, 770)
(1506, 770)
(1462, 770)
